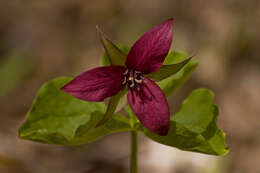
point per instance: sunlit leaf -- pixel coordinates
(58, 118)
(194, 127)
(84, 135)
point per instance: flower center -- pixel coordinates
(133, 78)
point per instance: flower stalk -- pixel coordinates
(134, 149)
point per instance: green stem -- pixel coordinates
(133, 163)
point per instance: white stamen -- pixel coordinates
(125, 73)
(124, 81)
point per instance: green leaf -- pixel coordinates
(168, 70)
(58, 118)
(114, 54)
(170, 84)
(85, 135)
(199, 109)
(56, 112)
(105, 59)
(194, 127)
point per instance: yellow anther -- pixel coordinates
(138, 80)
(132, 85)
(131, 78)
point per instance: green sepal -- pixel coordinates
(174, 57)
(168, 70)
(112, 105)
(105, 59)
(132, 117)
(170, 84)
(115, 55)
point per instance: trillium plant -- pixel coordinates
(71, 111)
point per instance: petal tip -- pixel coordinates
(102, 35)
(96, 84)
(64, 88)
(67, 89)
(170, 19)
(162, 131)
(149, 51)
(98, 29)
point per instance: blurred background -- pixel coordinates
(40, 40)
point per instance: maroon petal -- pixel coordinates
(96, 84)
(149, 52)
(151, 107)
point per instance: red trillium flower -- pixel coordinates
(144, 96)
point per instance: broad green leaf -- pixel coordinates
(199, 109)
(194, 127)
(85, 135)
(170, 84)
(56, 112)
(105, 59)
(115, 55)
(168, 70)
(58, 118)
